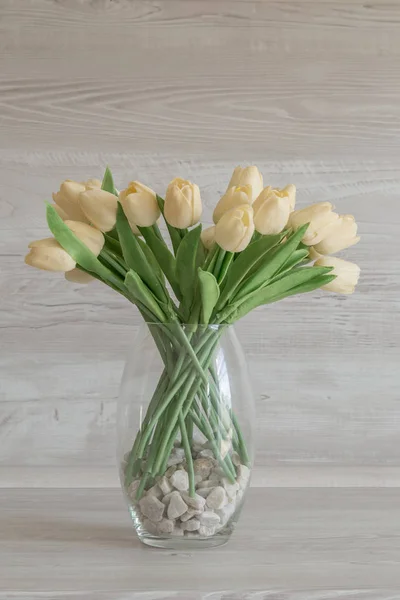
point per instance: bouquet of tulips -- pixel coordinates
(259, 250)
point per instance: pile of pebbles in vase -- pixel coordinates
(168, 509)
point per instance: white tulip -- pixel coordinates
(247, 176)
(207, 236)
(318, 216)
(235, 229)
(78, 276)
(271, 212)
(68, 199)
(49, 255)
(339, 235)
(140, 204)
(347, 274)
(182, 206)
(289, 192)
(100, 208)
(91, 237)
(233, 197)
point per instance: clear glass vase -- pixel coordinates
(185, 434)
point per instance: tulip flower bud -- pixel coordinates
(140, 204)
(289, 192)
(247, 176)
(347, 274)
(91, 237)
(233, 197)
(78, 276)
(271, 212)
(68, 200)
(182, 206)
(100, 208)
(318, 216)
(49, 255)
(92, 184)
(61, 213)
(235, 229)
(339, 235)
(207, 236)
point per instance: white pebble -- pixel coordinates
(177, 531)
(226, 512)
(177, 456)
(217, 498)
(206, 531)
(209, 518)
(180, 480)
(165, 526)
(196, 501)
(197, 479)
(235, 459)
(192, 512)
(230, 488)
(206, 453)
(176, 506)
(203, 466)
(192, 525)
(243, 476)
(150, 527)
(170, 470)
(155, 491)
(152, 508)
(167, 498)
(203, 492)
(165, 485)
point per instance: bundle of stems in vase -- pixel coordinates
(193, 284)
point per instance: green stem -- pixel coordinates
(188, 454)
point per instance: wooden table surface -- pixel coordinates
(321, 544)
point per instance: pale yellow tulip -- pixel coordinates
(318, 216)
(78, 276)
(140, 205)
(347, 274)
(182, 206)
(90, 236)
(208, 237)
(100, 208)
(235, 229)
(271, 212)
(48, 255)
(233, 197)
(340, 234)
(247, 176)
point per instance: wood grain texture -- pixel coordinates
(316, 545)
(307, 89)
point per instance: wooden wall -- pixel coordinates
(306, 89)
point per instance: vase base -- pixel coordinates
(184, 543)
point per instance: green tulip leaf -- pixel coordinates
(108, 182)
(270, 264)
(209, 293)
(300, 281)
(295, 258)
(78, 250)
(143, 295)
(244, 263)
(136, 258)
(163, 256)
(186, 265)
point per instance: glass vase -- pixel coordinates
(185, 427)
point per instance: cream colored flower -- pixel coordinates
(48, 255)
(91, 237)
(242, 176)
(271, 212)
(182, 206)
(140, 204)
(92, 184)
(233, 197)
(347, 274)
(340, 234)
(100, 208)
(289, 192)
(318, 216)
(208, 237)
(235, 228)
(78, 276)
(67, 198)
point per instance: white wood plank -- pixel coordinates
(316, 544)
